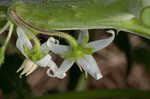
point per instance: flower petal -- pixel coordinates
(89, 64)
(82, 35)
(65, 66)
(100, 44)
(56, 48)
(45, 46)
(52, 70)
(44, 61)
(22, 41)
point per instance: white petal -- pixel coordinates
(82, 35)
(53, 40)
(60, 76)
(53, 68)
(48, 72)
(44, 48)
(22, 41)
(44, 61)
(20, 32)
(56, 48)
(89, 64)
(64, 67)
(100, 44)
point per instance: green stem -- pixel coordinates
(66, 36)
(9, 34)
(36, 47)
(5, 27)
(19, 21)
(2, 50)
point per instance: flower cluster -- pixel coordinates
(80, 54)
(29, 65)
(78, 51)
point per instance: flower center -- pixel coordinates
(78, 52)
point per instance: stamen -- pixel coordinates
(80, 67)
(34, 66)
(82, 70)
(22, 66)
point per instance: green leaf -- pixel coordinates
(91, 14)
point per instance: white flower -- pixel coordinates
(29, 66)
(82, 55)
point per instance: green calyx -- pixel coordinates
(77, 52)
(32, 53)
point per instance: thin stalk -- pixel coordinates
(9, 34)
(19, 21)
(36, 41)
(5, 27)
(3, 48)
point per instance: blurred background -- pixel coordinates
(125, 65)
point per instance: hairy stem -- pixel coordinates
(19, 21)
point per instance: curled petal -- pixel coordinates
(88, 63)
(53, 40)
(45, 46)
(56, 48)
(44, 61)
(51, 72)
(64, 67)
(82, 35)
(100, 44)
(22, 41)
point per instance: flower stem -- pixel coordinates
(3, 48)
(9, 34)
(19, 21)
(66, 36)
(5, 27)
